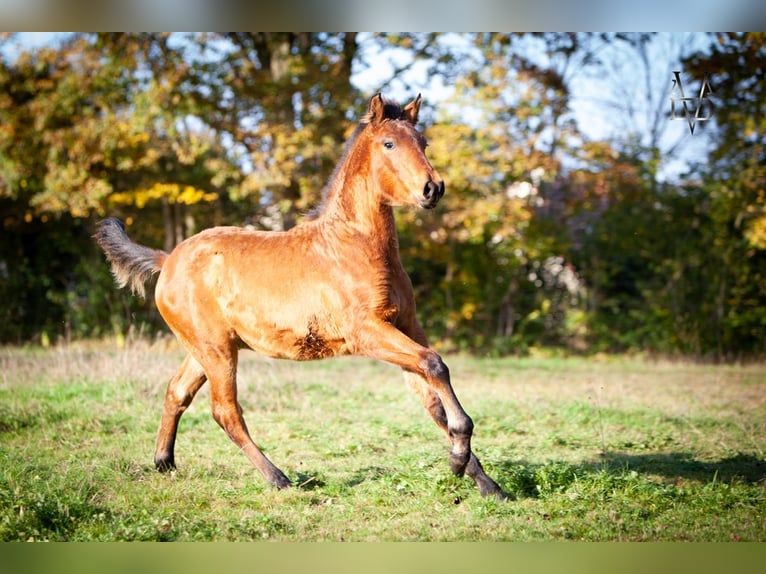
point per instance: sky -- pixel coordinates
(647, 91)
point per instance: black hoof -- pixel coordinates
(490, 488)
(487, 486)
(164, 463)
(280, 481)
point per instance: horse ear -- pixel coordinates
(411, 110)
(375, 109)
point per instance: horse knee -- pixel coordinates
(434, 368)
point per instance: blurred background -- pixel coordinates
(579, 216)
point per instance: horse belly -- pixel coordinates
(278, 326)
(287, 343)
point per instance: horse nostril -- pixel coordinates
(433, 191)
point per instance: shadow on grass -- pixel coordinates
(682, 465)
(526, 480)
(366, 474)
(308, 481)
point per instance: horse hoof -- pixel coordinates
(487, 486)
(164, 464)
(496, 491)
(280, 481)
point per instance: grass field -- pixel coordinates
(591, 449)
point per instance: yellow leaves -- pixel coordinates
(468, 310)
(754, 215)
(191, 195)
(134, 139)
(598, 151)
(173, 192)
(755, 233)
(291, 163)
(541, 311)
(503, 218)
(461, 160)
(129, 145)
(190, 150)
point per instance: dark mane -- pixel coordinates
(391, 111)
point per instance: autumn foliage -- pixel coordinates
(545, 237)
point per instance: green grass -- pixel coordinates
(591, 449)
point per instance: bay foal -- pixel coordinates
(333, 285)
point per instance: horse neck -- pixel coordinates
(354, 206)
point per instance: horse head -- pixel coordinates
(397, 154)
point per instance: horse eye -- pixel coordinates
(388, 144)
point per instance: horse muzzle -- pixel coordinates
(432, 193)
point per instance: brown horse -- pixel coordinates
(333, 285)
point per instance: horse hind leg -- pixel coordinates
(435, 408)
(221, 368)
(180, 392)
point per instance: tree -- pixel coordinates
(495, 145)
(734, 182)
(545, 237)
(282, 100)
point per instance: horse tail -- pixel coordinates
(132, 264)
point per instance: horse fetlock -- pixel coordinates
(460, 431)
(458, 460)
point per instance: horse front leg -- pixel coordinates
(427, 373)
(435, 408)
(391, 345)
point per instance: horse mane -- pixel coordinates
(391, 111)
